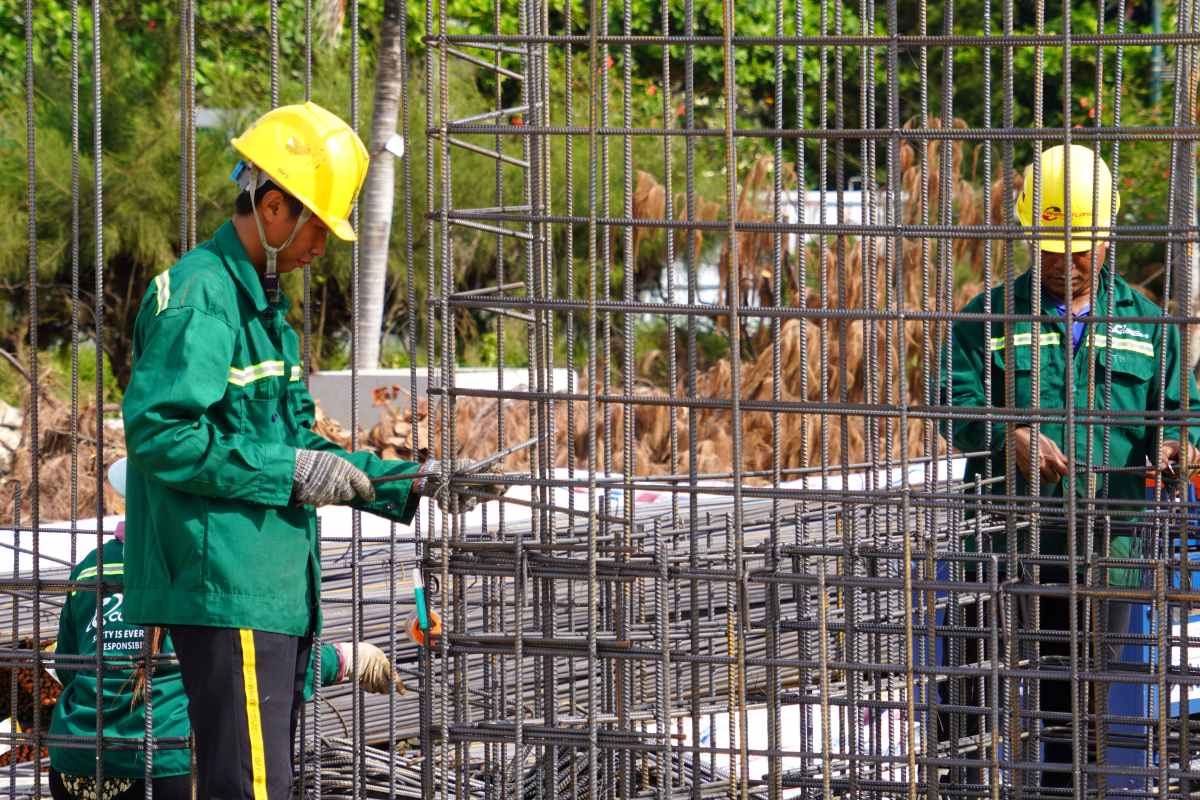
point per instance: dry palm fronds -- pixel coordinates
(54, 462)
(330, 429)
(49, 690)
(835, 361)
(756, 204)
(706, 211)
(649, 202)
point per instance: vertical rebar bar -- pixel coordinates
(834, 608)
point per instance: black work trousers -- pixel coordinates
(1055, 631)
(245, 689)
(176, 787)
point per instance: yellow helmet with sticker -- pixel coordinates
(1090, 183)
(314, 156)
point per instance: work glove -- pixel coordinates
(375, 673)
(430, 484)
(323, 479)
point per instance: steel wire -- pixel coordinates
(829, 611)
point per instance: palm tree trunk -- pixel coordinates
(1186, 255)
(379, 190)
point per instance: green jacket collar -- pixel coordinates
(239, 266)
(1023, 285)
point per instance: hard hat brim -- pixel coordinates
(1079, 244)
(341, 229)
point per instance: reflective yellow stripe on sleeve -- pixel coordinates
(162, 293)
(258, 757)
(110, 571)
(295, 372)
(255, 372)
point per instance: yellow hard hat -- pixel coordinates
(1087, 180)
(312, 155)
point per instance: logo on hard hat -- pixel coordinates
(1054, 214)
(297, 146)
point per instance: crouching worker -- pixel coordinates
(123, 693)
(225, 472)
(73, 770)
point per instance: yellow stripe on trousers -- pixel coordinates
(258, 759)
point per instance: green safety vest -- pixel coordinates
(214, 413)
(1134, 351)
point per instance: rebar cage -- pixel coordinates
(747, 558)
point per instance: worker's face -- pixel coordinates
(278, 222)
(1082, 267)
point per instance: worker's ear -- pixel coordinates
(272, 206)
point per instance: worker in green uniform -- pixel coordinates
(1125, 359)
(73, 768)
(225, 472)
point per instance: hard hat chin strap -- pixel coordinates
(270, 279)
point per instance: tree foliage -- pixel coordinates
(141, 159)
(232, 41)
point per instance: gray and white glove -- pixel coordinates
(468, 492)
(374, 672)
(323, 479)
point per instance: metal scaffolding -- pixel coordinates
(794, 590)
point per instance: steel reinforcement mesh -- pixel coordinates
(752, 541)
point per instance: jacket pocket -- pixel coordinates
(1127, 366)
(262, 410)
(1022, 374)
(1130, 377)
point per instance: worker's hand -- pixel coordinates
(1171, 452)
(1052, 464)
(374, 670)
(323, 479)
(468, 492)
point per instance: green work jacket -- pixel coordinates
(75, 712)
(214, 413)
(1135, 349)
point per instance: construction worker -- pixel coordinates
(1124, 357)
(225, 471)
(73, 769)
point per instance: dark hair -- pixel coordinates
(245, 209)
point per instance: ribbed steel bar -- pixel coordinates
(833, 40)
(857, 597)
